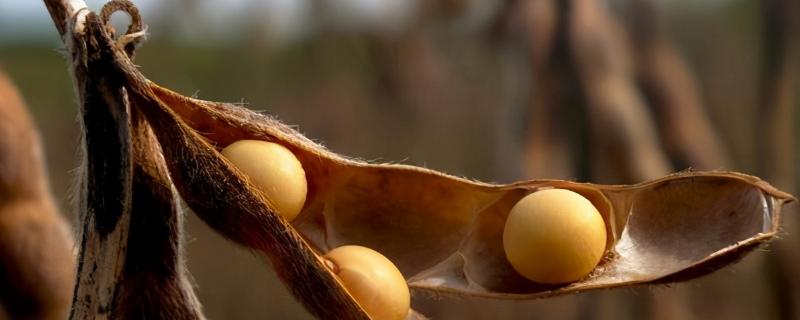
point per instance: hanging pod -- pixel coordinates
(443, 233)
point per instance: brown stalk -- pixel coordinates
(36, 260)
(672, 92)
(552, 117)
(775, 115)
(775, 143)
(130, 263)
(552, 141)
(106, 176)
(626, 142)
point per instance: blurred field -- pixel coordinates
(442, 94)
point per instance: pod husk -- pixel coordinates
(106, 173)
(154, 283)
(130, 264)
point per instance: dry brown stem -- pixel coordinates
(553, 115)
(775, 114)
(104, 203)
(625, 140)
(63, 12)
(672, 93)
(775, 143)
(130, 263)
(554, 131)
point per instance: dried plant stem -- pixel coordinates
(552, 139)
(775, 142)
(685, 129)
(130, 264)
(552, 114)
(416, 74)
(62, 12)
(672, 92)
(775, 113)
(106, 179)
(625, 140)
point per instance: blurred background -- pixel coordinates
(615, 91)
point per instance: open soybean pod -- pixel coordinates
(445, 233)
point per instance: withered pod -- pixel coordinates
(444, 233)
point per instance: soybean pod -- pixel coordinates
(445, 233)
(440, 233)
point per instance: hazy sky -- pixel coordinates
(28, 20)
(218, 20)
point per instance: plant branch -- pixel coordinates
(672, 92)
(775, 131)
(626, 146)
(61, 10)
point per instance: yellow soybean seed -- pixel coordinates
(274, 170)
(554, 236)
(373, 280)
